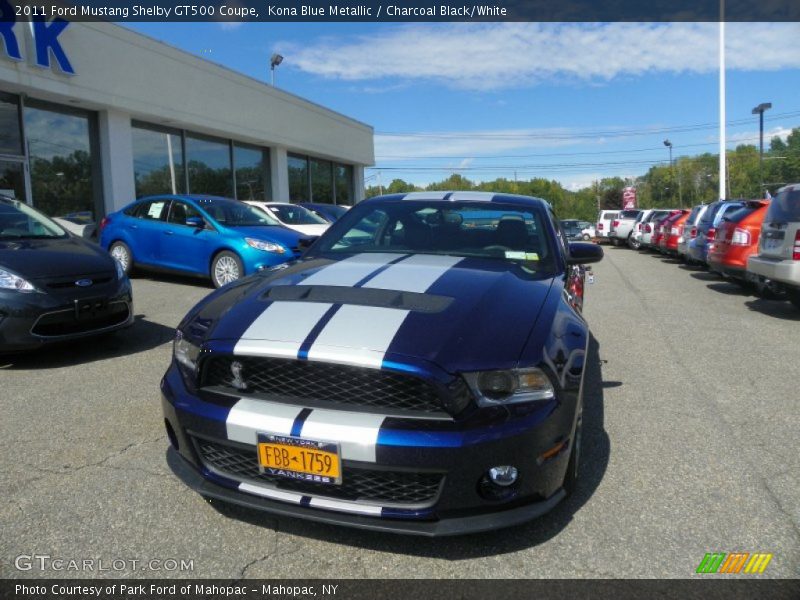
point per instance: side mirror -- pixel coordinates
(195, 222)
(581, 253)
(306, 242)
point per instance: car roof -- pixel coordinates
(464, 196)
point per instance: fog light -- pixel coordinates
(503, 476)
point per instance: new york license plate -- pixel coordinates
(299, 459)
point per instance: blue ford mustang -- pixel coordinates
(419, 370)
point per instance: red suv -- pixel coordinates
(736, 239)
(673, 228)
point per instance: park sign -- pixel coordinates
(628, 198)
(44, 37)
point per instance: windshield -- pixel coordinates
(18, 220)
(784, 207)
(477, 229)
(230, 213)
(291, 214)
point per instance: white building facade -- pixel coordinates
(93, 115)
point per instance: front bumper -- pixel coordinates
(782, 271)
(32, 320)
(460, 453)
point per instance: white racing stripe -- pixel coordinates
(267, 492)
(425, 196)
(248, 417)
(356, 433)
(478, 196)
(281, 329)
(415, 274)
(351, 270)
(351, 507)
(358, 335)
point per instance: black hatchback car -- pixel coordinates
(54, 286)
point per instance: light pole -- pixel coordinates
(759, 110)
(668, 144)
(274, 61)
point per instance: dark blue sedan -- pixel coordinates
(422, 378)
(208, 236)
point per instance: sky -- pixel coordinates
(572, 102)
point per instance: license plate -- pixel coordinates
(771, 243)
(299, 459)
(87, 308)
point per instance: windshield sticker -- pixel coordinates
(514, 255)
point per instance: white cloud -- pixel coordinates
(748, 137)
(505, 55)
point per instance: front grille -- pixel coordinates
(387, 487)
(65, 322)
(324, 383)
(70, 283)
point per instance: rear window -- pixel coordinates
(629, 214)
(738, 215)
(712, 211)
(784, 207)
(693, 215)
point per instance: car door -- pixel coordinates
(185, 247)
(144, 228)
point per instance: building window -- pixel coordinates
(252, 173)
(343, 184)
(209, 165)
(157, 161)
(321, 181)
(317, 180)
(10, 130)
(298, 179)
(60, 155)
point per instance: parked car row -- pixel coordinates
(755, 243)
(56, 286)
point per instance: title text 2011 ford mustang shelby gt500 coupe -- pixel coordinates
(419, 370)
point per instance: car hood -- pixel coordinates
(39, 258)
(318, 229)
(370, 309)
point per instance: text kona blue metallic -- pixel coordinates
(421, 375)
(209, 236)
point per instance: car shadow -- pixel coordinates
(705, 276)
(729, 288)
(595, 454)
(198, 282)
(143, 335)
(779, 309)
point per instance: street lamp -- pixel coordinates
(274, 61)
(759, 110)
(668, 144)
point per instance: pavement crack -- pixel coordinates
(243, 571)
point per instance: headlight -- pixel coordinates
(510, 387)
(265, 246)
(9, 281)
(120, 269)
(185, 352)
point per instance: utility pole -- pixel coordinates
(759, 110)
(723, 175)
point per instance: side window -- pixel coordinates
(180, 211)
(153, 210)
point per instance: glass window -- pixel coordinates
(12, 180)
(785, 206)
(60, 162)
(291, 214)
(10, 132)
(298, 178)
(152, 210)
(18, 220)
(252, 173)
(232, 213)
(344, 184)
(321, 181)
(209, 164)
(180, 211)
(157, 162)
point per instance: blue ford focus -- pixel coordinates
(419, 370)
(207, 236)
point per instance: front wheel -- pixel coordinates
(586, 237)
(226, 268)
(120, 252)
(794, 296)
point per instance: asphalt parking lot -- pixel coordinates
(691, 446)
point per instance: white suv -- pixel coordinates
(778, 258)
(604, 224)
(622, 226)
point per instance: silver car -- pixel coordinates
(690, 231)
(778, 258)
(649, 226)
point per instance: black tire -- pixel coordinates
(793, 294)
(123, 255)
(615, 241)
(633, 243)
(571, 476)
(226, 268)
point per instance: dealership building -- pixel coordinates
(93, 115)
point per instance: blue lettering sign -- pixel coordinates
(7, 19)
(46, 40)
